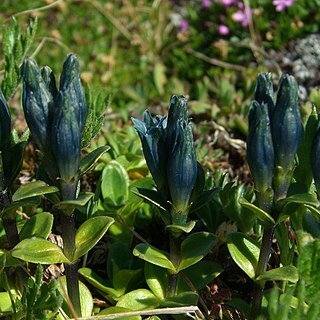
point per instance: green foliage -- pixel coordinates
(39, 299)
(15, 48)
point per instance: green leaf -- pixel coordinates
(69, 205)
(5, 303)
(89, 233)
(17, 160)
(287, 273)
(6, 260)
(259, 213)
(245, 252)
(183, 299)
(15, 205)
(38, 226)
(33, 189)
(157, 279)
(126, 280)
(187, 228)
(139, 299)
(114, 185)
(37, 250)
(153, 255)
(90, 159)
(194, 248)
(86, 301)
(199, 275)
(116, 311)
(100, 283)
(315, 212)
(304, 198)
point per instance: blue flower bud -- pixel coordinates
(260, 153)
(66, 137)
(37, 102)
(5, 123)
(286, 123)
(182, 169)
(264, 91)
(70, 82)
(50, 80)
(178, 111)
(151, 133)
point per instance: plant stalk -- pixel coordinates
(9, 221)
(175, 259)
(266, 245)
(68, 225)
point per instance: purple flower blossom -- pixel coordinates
(243, 16)
(282, 4)
(227, 3)
(223, 29)
(205, 4)
(184, 25)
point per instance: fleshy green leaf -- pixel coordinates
(70, 205)
(5, 303)
(38, 250)
(33, 189)
(245, 252)
(315, 212)
(287, 273)
(199, 275)
(183, 299)
(90, 159)
(157, 279)
(89, 233)
(139, 299)
(86, 301)
(187, 228)
(6, 260)
(38, 226)
(15, 205)
(114, 185)
(153, 255)
(100, 283)
(304, 198)
(125, 280)
(195, 247)
(259, 213)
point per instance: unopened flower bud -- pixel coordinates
(182, 169)
(70, 83)
(286, 123)
(260, 153)
(37, 103)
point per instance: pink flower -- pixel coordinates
(223, 29)
(243, 17)
(205, 4)
(227, 3)
(184, 25)
(282, 4)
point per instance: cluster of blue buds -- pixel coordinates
(275, 130)
(56, 117)
(168, 148)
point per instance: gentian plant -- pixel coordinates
(169, 151)
(56, 118)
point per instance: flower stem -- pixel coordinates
(175, 259)
(68, 225)
(266, 244)
(9, 221)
